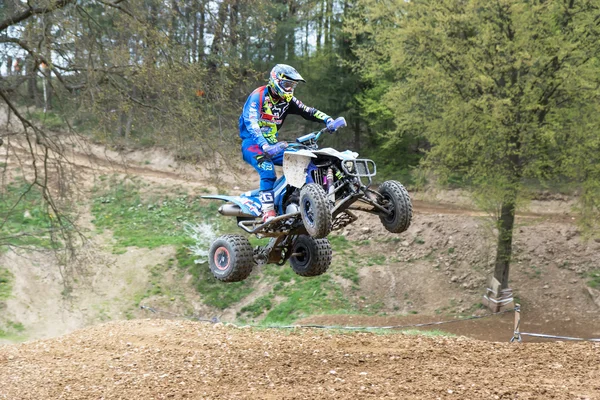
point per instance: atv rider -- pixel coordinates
(262, 117)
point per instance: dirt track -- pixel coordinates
(165, 359)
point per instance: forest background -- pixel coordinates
(498, 96)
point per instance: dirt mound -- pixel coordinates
(160, 359)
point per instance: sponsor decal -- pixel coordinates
(251, 206)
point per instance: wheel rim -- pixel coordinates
(309, 213)
(222, 258)
(303, 258)
(390, 207)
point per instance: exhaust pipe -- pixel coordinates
(233, 210)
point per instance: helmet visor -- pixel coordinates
(288, 85)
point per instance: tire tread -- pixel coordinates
(323, 219)
(405, 211)
(243, 256)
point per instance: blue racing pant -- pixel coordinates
(265, 168)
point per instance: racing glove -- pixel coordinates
(272, 150)
(330, 126)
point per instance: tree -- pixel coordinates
(505, 91)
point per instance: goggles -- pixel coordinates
(287, 85)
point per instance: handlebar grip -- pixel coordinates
(339, 123)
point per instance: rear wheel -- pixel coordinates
(398, 202)
(231, 258)
(311, 257)
(314, 209)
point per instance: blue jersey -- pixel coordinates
(262, 116)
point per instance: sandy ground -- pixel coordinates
(160, 359)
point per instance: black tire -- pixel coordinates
(231, 258)
(399, 203)
(314, 209)
(314, 258)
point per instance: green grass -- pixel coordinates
(6, 280)
(259, 306)
(350, 272)
(376, 260)
(49, 120)
(24, 216)
(300, 296)
(147, 221)
(339, 243)
(12, 331)
(594, 281)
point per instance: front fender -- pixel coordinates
(294, 166)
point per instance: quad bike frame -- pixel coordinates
(340, 184)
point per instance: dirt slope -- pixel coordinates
(165, 359)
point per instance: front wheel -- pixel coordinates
(314, 209)
(310, 256)
(397, 201)
(231, 258)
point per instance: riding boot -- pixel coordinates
(268, 208)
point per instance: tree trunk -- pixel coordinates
(306, 33)
(506, 223)
(320, 25)
(291, 33)
(201, 28)
(194, 43)
(31, 70)
(234, 23)
(328, 25)
(9, 65)
(357, 134)
(216, 47)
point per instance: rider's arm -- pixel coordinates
(250, 114)
(306, 112)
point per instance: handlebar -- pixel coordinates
(337, 124)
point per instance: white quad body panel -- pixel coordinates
(294, 166)
(295, 163)
(342, 155)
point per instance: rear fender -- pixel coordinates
(249, 205)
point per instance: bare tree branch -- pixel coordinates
(115, 4)
(16, 18)
(39, 58)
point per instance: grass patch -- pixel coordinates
(213, 292)
(6, 279)
(303, 296)
(24, 217)
(594, 281)
(157, 286)
(376, 260)
(339, 243)
(350, 272)
(12, 331)
(259, 306)
(147, 221)
(49, 120)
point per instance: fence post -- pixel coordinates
(516, 332)
(497, 299)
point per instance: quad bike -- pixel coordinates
(317, 194)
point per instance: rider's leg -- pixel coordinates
(266, 170)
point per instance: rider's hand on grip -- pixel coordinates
(330, 125)
(272, 150)
(335, 124)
